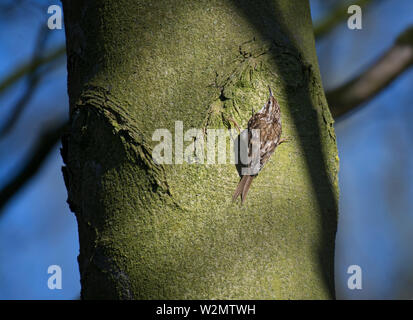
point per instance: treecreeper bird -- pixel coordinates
(264, 135)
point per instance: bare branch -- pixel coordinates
(377, 77)
(33, 80)
(38, 154)
(29, 67)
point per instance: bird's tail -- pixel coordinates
(243, 187)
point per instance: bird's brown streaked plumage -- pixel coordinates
(268, 122)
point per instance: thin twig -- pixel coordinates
(33, 80)
(30, 66)
(36, 157)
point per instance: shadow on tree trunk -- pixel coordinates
(272, 27)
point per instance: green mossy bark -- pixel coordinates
(151, 231)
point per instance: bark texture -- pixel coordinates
(151, 231)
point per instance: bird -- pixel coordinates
(264, 136)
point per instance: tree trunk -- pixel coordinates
(158, 231)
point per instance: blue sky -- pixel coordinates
(376, 160)
(37, 228)
(375, 148)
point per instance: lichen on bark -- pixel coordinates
(150, 231)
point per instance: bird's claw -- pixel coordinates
(284, 140)
(235, 123)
